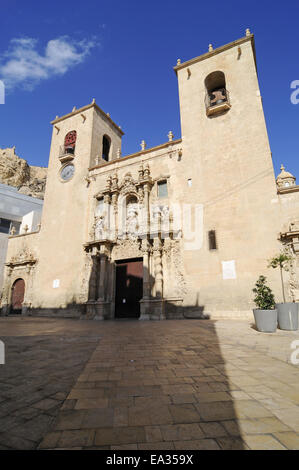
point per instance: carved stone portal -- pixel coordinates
(124, 228)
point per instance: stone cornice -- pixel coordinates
(288, 189)
(137, 154)
(294, 234)
(23, 234)
(12, 264)
(216, 51)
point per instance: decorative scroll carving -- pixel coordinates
(25, 256)
(128, 185)
(127, 249)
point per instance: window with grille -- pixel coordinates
(162, 189)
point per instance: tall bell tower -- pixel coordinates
(226, 152)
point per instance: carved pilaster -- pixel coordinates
(158, 268)
(146, 248)
(92, 294)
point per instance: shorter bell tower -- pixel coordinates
(82, 139)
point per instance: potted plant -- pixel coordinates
(265, 314)
(287, 312)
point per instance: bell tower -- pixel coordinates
(82, 139)
(227, 153)
(222, 119)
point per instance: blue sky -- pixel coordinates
(60, 54)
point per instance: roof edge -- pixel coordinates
(216, 51)
(84, 108)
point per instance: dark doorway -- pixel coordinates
(17, 296)
(129, 285)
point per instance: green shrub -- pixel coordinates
(264, 298)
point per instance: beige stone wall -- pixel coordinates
(231, 158)
(102, 126)
(222, 166)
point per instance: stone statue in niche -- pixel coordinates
(165, 217)
(132, 220)
(165, 213)
(99, 230)
(157, 212)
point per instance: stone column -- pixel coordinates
(158, 267)
(114, 231)
(92, 290)
(101, 286)
(145, 304)
(146, 269)
(102, 304)
(146, 190)
(92, 285)
(157, 307)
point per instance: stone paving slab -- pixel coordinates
(184, 385)
(43, 362)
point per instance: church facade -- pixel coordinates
(180, 230)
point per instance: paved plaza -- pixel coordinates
(173, 385)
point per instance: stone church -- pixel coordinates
(181, 230)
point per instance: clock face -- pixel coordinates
(67, 172)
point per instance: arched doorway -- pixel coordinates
(17, 296)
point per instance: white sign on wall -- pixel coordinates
(56, 283)
(229, 270)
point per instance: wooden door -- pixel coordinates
(17, 298)
(129, 286)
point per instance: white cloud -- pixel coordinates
(22, 65)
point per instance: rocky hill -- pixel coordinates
(15, 171)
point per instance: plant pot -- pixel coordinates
(287, 316)
(265, 320)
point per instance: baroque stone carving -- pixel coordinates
(24, 256)
(99, 227)
(127, 249)
(293, 283)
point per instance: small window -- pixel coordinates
(4, 226)
(212, 240)
(106, 148)
(162, 189)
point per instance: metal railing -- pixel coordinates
(63, 151)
